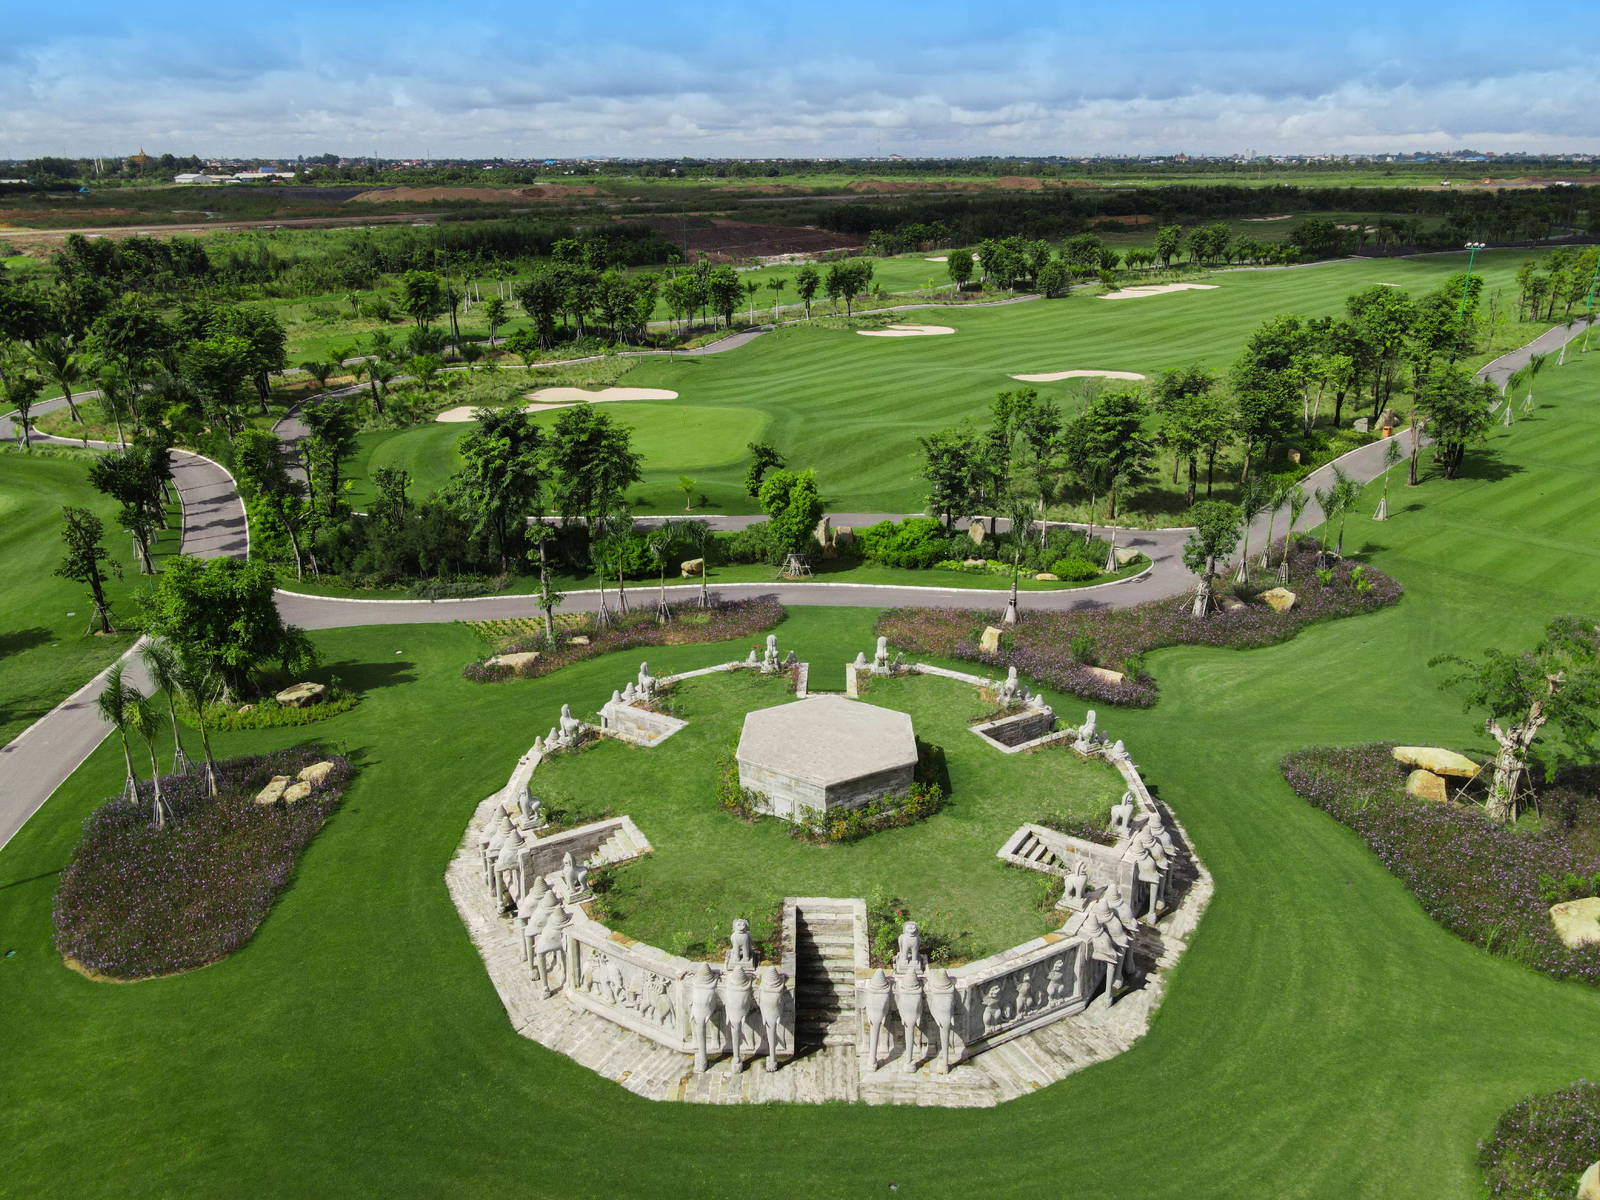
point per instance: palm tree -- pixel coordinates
(659, 542)
(1536, 364)
(320, 371)
(114, 705)
(701, 537)
(776, 287)
(54, 356)
(1391, 459)
(380, 373)
(147, 723)
(1349, 491)
(1280, 495)
(195, 685)
(1257, 495)
(162, 664)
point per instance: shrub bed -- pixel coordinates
(1042, 646)
(1490, 884)
(1543, 1144)
(690, 624)
(137, 902)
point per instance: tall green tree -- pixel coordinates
(1107, 441)
(1214, 534)
(86, 560)
(1457, 409)
(592, 464)
(764, 456)
(221, 617)
(794, 508)
(502, 477)
(806, 282)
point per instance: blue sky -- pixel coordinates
(774, 78)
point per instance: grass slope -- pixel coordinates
(46, 649)
(1321, 1037)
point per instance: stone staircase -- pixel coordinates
(830, 943)
(1038, 848)
(619, 847)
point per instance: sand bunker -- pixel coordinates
(1158, 289)
(565, 397)
(1052, 376)
(938, 258)
(1258, 220)
(907, 331)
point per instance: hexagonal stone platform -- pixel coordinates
(823, 753)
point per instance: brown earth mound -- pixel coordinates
(1132, 219)
(474, 195)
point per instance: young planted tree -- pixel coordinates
(1555, 685)
(86, 560)
(701, 538)
(793, 507)
(20, 386)
(1457, 409)
(542, 535)
(806, 282)
(1392, 456)
(195, 685)
(687, 485)
(146, 723)
(495, 311)
(162, 663)
(959, 264)
(1279, 493)
(131, 480)
(776, 286)
(1215, 534)
(114, 703)
(1253, 501)
(658, 542)
(55, 357)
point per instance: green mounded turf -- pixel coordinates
(708, 867)
(853, 407)
(46, 647)
(1320, 1038)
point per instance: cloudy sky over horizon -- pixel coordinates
(406, 79)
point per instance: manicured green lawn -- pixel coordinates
(853, 407)
(1320, 1038)
(46, 647)
(709, 867)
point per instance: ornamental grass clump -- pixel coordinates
(1542, 1145)
(137, 902)
(1485, 882)
(1041, 644)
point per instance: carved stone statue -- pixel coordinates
(569, 726)
(750, 659)
(1055, 980)
(771, 997)
(908, 1003)
(702, 1003)
(646, 682)
(880, 657)
(940, 993)
(908, 950)
(878, 995)
(574, 877)
(1010, 691)
(741, 948)
(737, 1001)
(1075, 887)
(1122, 814)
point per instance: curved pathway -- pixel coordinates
(42, 756)
(47, 753)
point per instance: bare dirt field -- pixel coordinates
(474, 195)
(720, 240)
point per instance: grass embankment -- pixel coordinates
(708, 866)
(47, 644)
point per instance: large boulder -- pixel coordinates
(1589, 1185)
(274, 790)
(578, 639)
(302, 694)
(989, 642)
(1577, 922)
(516, 662)
(1439, 761)
(693, 566)
(976, 532)
(316, 774)
(296, 792)
(1105, 675)
(1279, 599)
(1425, 785)
(1046, 577)
(1125, 555)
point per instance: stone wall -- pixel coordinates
(635, 725)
